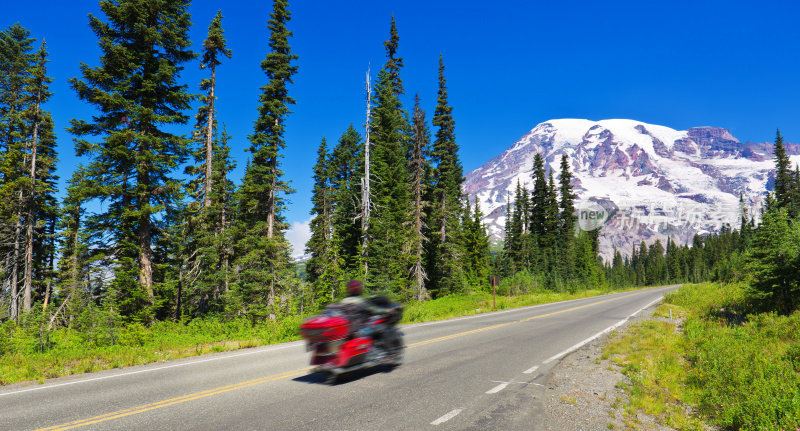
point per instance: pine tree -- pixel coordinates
(476, 247)
(774, 263)
(321, 224)
(206, 255)
(323, 268)
(656, 267)
(40, 183)
(346, 164)
(136, 91)
(209, 233)
(73, 247)
(551, 240)
(784, 180)
(389, 247)
(418, 167)
(213, 48)
(538, 205)
(264, 263)
(515, 230)
(15, 75)
(446, 199)
(566, 217)
(393, 63)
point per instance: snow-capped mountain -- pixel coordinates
(652, 181)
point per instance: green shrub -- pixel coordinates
(745, 371)
(747, 374)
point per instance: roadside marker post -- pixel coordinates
(493, 280)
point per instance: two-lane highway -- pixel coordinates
(481, 371)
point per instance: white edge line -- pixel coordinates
(531, 369)
(511, 310)
(497, 388)
(293, 343)
(605, 331)
(190, 362)
(447, 417)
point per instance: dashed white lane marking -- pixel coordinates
(497, 388)
(531, 370)
(447, 417)
(605, 331)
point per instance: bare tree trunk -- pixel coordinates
(365, 193)
(145, 257)
(273, 164)
(443, 220)
(12, 288)
(144, 237)
(418, 271)
(49, 286)
(225, 251)
(15, 263)
(47, 295)
(273, 169)
(209, 138)
(29, 220)
(178, 294)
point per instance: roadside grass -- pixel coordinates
(726, 367)
(466, 305)
(29, 354)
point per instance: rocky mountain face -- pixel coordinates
(649, 182)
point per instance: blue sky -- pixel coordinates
(510, 65)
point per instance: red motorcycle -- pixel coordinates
(342, 340)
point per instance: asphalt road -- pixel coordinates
(479, 372)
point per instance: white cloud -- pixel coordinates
(297, 235)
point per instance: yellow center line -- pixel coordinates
(285, 375)
(173, 401)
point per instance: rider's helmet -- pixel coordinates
(355, 288)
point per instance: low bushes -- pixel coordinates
(737, 370)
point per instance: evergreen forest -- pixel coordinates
(153, 228)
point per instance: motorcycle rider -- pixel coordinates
(389, 337)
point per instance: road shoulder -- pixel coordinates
(584, 391)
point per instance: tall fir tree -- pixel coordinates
(447, 201)
(567, 217)
(209, 230)
(394, 63)
(538, 204)
(214, 47)
(418, 166)
(774, 262)
(324, 266)
(41, 206)
(552, 228)
(15, 73)
(476, 248)
(347, 167)
(73, 248)
(210, 193)
(389, 247)
(264, 264)
(784, 178)
(515, 232)
(137, 94)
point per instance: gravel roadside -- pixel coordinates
(582, 393)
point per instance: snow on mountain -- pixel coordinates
(655, 182)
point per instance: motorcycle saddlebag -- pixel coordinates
(322, 329)
(354, 351)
